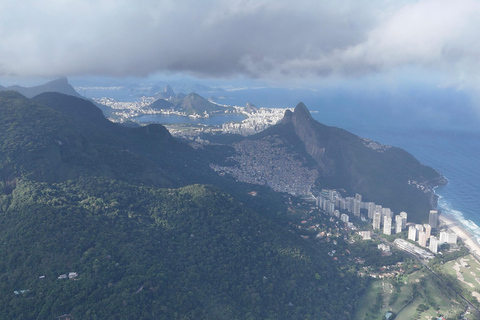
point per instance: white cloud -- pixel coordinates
(265, 39)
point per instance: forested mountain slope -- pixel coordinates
(85, 198)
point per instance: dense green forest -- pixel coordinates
(145, 252)
(143, 228)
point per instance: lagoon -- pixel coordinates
(216, 120)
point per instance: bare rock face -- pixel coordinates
(305, 129)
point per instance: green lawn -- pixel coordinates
(467, 270)
(419, 290)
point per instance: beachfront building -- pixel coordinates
(422, 238)
(428, 230)
(377, 219)
(387, 212)
(370, 206)
(447, 237)
(398, 223)
(387, 225)
(433, 245)
(412, 233)
(433, 219)
(419, 228)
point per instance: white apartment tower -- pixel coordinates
(422, 238)
(398, 223)
(387, 225)
(428, 230)
(433, 246)
(412, 233)
(433, 219)
(377, 219)
(371, 209)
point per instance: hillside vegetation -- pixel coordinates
(116, 209)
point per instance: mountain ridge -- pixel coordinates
(59, 85)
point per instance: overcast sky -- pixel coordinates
(259, 39)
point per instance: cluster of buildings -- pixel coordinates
(383, 219)
(332, 202)
(422, 234)
(255, 122)
(257, 162)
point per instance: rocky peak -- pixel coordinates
(249, 107)
(301, 111)
(287, 117)
(168, 90)
(304, 126)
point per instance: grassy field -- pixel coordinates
(467, 271)
(415, 296)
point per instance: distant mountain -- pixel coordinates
(168, 90)
(56, 137)
(161, 104)
(167, 93)
(193, 103)
(190, 105)
(60, 85)
(250, 108)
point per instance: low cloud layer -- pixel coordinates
(258, 39)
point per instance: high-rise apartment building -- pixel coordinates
(433, 219)
(422, 238)
(387, 225)
(433, 245)
(398, 223)
(377, 220)
(412, 233)
(428, 230)
(371, 209)
(448, 237)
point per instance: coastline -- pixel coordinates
(456, 226)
